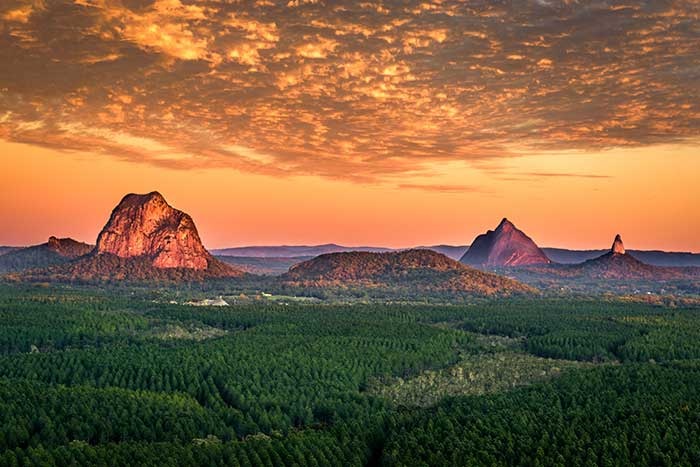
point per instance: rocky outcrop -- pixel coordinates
(68, 248)
(146, 225)
(618, 248)
(55, 251)
(507, 246)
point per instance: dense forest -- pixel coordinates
(92, 377)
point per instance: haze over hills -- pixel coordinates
(507, 246)
(422, 271)
(290, 251)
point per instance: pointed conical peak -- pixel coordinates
(618, 247)
(505, 246)
(505, 225)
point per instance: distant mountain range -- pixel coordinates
(146, 239)
(557, 255)
(288, 251)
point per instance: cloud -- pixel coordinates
(365, 91)
(440, 188)
(564, 175)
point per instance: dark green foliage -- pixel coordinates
(87, 379)
(630, 415)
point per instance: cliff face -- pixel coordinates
(146, 225)
(506, 246)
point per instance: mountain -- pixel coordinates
(653, 257)
(507, 246)
(55, 251)
(146, 225)
(408, 271)
(618, 264)
(291, 251)
(145, 239)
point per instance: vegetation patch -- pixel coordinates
(473, 375)
(197, 333)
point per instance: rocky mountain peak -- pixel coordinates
(506, 246)
(505, 225)
(618, 247)
(145, 225)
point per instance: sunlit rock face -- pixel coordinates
(618, 247)
(146, 225)
(506, 246)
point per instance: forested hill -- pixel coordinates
(416, 270)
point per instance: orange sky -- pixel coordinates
(650, 197)
(392, 122)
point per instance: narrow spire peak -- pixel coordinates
(618, 247)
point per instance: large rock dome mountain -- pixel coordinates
(402, 272)
(507, 246)
(144, 239)
(146, 225)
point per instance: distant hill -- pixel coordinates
(409, 271)
(619, 264)
(653, 257)
(616, 271)
(507, 246)
(55, 251)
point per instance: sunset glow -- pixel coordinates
(393, 123)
